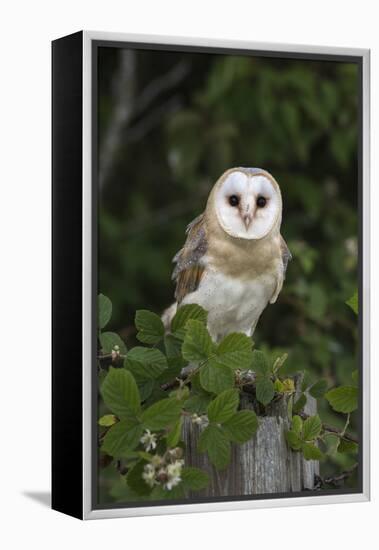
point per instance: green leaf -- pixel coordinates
(104, 310)
(197, 403)
(279, 362)
(293, 440)
(343, 399)
(297, 425)
(121, 438)
(288, 385)
(214, 441)
(150, 327)
(347, 446)
(235, 351)
(145, 389)
(242, 426)
(279, 386)
(173, 371)
(174, 435)
(224, 406)
(260, 364)
(135, 480)
(216, 378)
(311, 428)
(300, 403)
(109, 341)
(184, 314)
(353, 302)
(107, 420)
(160, 493)
(162, 414)
(173, 346)
(197, 345)
(120, 393)
(311, 452)
(194, 479)
(264, 390)
(145, 363)
(306, 380)
(318, 389)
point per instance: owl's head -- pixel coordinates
(247, 203)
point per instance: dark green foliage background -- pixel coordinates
(298, 120)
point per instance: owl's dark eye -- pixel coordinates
(261, 202)
(233, 200)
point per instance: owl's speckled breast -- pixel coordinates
(233, 305)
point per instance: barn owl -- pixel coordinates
(234, 260)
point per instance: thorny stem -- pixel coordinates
(334, 480)
(332, 430)
(346, 425)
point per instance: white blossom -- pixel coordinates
(174, 471)
(148, 475)
(149, 440)
(200, 420)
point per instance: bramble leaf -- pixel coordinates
(109, 342)
(260, 364)
(174, 435)
(121, 438)
(216, 378)
(347, 446)
(162, 414)
(264, 390)
(319, 388)
(150, 327)
(343, 399)
(197, 345)
(107, 420)
(104, 310)
(197, 403)
(145, 363)
(311, 428)
(120, 393)
(278, 386)
(297, 425)
(353, 302)
(311, 452)
(293, 440)
(135, 480)
(215, 443)
(184, 314)
(173, 346)
(194, 479)
(242, 426)
(235, 351)
(224, 406)
(300, 403)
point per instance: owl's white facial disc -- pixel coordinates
(247, 206)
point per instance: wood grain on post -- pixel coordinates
(263, 465)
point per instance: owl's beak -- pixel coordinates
(247, 219)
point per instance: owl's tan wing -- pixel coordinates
(189, 269)
(286, 256)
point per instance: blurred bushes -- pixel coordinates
(185, 118)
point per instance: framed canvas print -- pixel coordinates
(210, 275)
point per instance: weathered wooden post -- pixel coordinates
(265, 464)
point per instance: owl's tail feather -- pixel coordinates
(168, 315)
